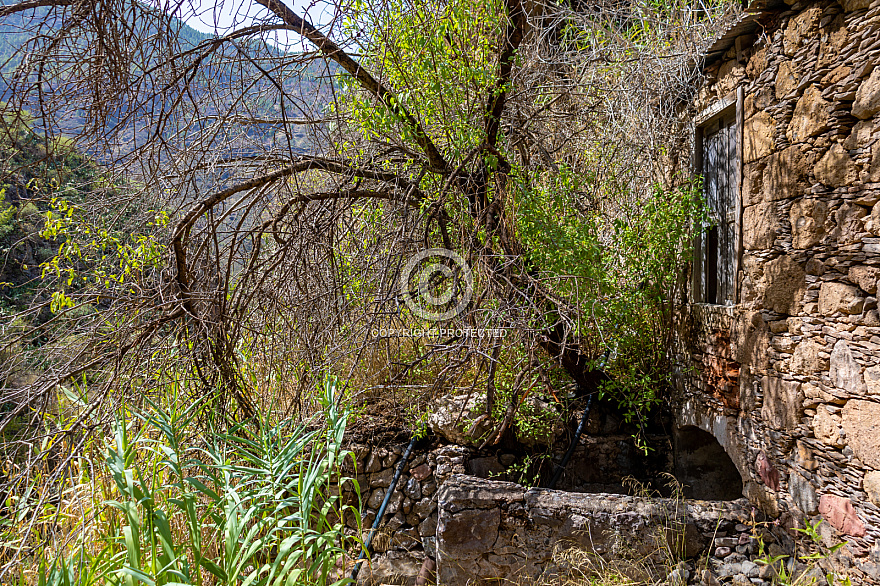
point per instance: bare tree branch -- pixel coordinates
(332, 51)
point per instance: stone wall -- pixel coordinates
(599, 463)
(788, 381)
(410, 519)
(452, 478)
(492, 531)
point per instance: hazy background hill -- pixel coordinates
(22, 33)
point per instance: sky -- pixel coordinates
(219, 16)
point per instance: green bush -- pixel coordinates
(7, 215)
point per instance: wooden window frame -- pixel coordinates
(704, 119)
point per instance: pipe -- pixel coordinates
(366, 550)
(560, 468)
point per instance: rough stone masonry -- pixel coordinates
(797, 401)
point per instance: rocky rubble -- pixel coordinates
(736, 558)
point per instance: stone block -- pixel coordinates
(767, 472)
(421, 472)
(845, 372)
(376, 498)
(395, 503)
(864, 277)
(871, 484)
(872, 380)
(867, 101)
(758, 134)
(849, 223)
(803, 494)
(862, 135)
(872, 224)
(469, 530)
(730, 74)
(808, 222)
(374, 463)
(760, 226)
(801, 29)
(757, 63)
(412, 489)
(872, 173)
(753, 183)
(759, 101)
(835, 75)
(832, 43)
(826, 427)
(815, 266)
(786, 79)
(428, 527)
(753, 335)
(838, 297)
(784, 285)
(810, 116)
(425, 507)
(805, 457)
(785, 174)
(841, 515)
(783, 403)
(382, 478)
(836, 168)
(454, 420)
(861, 423)
(805, 359)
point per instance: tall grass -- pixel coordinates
(254, 505)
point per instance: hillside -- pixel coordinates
(26, 32)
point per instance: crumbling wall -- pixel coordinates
(408, 531)
(789, 380)
(600, 463)
(489, 531)
(410, 519)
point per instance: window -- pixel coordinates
(717, 247)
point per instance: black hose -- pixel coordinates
(560, 468)
(397, 474)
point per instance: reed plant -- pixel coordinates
(256, 504)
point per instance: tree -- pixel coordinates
(256, 205)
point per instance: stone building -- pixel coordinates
(781, 359)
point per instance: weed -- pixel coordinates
(809, 571)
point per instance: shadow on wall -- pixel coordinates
(703, 467)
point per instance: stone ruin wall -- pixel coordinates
(409, 528)
(492, 531)
(788, 381)
(480, 530)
